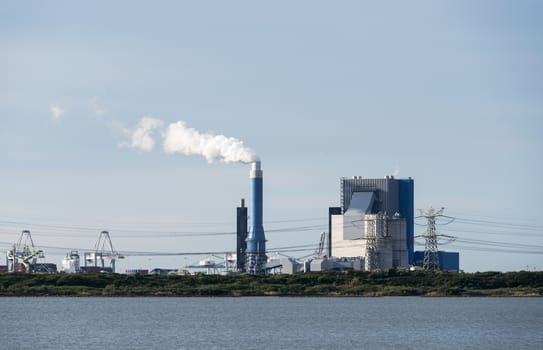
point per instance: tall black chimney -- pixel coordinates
(241, 233)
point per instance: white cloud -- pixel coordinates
(98, 109)
(141, 137)
(56, 112)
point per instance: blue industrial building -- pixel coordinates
(448, 261)
(406, 199)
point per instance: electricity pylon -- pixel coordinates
(431, 258)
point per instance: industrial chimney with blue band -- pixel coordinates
(256, 241)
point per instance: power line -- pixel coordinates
(497, 243)
(497, 250)
(499, 233)
(499, 224)
(155, 233)
(459, 224)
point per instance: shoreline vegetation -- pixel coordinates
(327, 284)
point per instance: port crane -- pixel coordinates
(23, 252)
(103, 251)
(28, 261)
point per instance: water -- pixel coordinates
(271, 323)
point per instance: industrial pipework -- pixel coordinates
(256, 241)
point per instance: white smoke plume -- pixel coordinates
(179, 138)
(56, 112)
(141, 137)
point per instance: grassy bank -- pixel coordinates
(383, 283)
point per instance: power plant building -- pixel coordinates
(375, 222)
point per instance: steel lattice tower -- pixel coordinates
(431, 259)
(372, 262)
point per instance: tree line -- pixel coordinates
(343, 283)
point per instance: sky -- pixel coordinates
(448, 93)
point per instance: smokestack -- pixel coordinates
(242, 231)
(256, 241)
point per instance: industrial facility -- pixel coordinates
(101, 258)
(375, 222)
(23, 257)
(371, 229)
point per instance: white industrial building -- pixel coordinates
(366, 232)
(283, 265)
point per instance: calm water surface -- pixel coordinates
(271, 323)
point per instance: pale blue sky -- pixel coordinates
(449, 93)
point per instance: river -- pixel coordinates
(271, 323)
